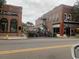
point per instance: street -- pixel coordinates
(37, 48)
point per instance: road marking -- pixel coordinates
(33, 49)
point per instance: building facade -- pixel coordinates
(10, 20)
(59, 21)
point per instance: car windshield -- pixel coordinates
(38, 29)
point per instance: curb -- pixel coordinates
(12, 38)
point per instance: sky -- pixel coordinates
(33, 9)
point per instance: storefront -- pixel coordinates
(10, 20)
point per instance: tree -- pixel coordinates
(24, 28)
(29, 24)
(2, 2)
(75, 11)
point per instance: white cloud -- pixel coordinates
(32, 9)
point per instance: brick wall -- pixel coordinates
(8, 11)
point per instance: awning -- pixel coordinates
(56, 25)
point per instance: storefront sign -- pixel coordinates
(8, 13)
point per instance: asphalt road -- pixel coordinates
(37, 48)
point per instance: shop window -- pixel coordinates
(13, 25)
(3, 25)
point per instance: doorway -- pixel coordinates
(3, 25)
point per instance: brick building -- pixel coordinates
(10, 20)
(59, 21)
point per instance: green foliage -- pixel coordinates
(2, 2)
(24, 27)
(75, 11)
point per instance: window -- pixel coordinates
(13, 25)
(65, 16)
(20, 28)
(3, 25)
(0, 10)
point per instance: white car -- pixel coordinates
(75, 51)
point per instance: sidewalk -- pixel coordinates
(12, 37)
